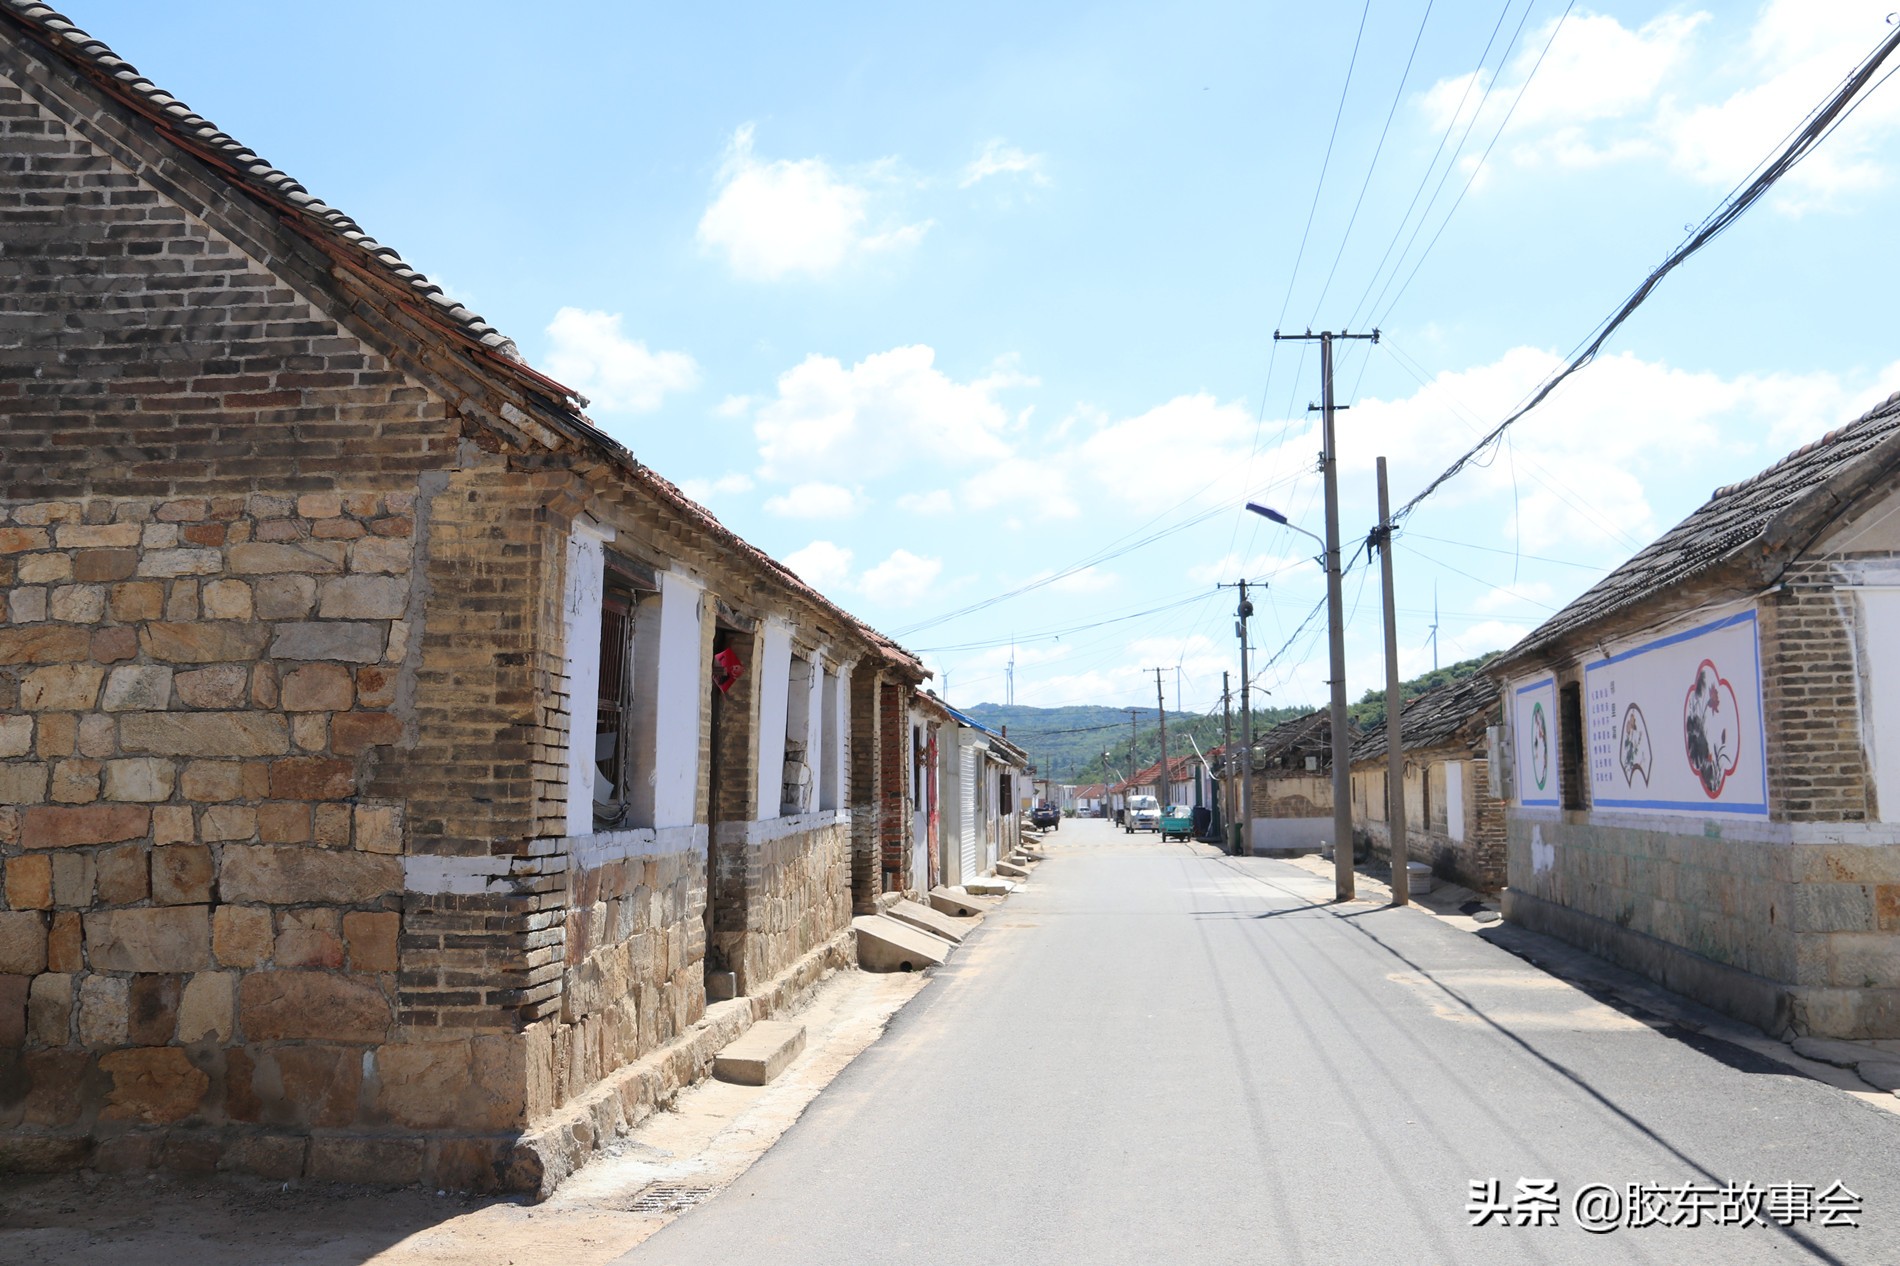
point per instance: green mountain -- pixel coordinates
(1069, 742)
(1370, 710)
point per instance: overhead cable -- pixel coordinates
(1820, 124)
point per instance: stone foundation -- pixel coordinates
(1791, 905)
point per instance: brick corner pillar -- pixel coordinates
(867, 766)
(894, 827)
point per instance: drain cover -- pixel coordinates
(663, 1197)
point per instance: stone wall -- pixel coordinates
(1807, 934)
(203, 890)
(634, 950)
(797, 891)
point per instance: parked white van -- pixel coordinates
(1144, 814)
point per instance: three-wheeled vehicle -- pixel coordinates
(1177, 823)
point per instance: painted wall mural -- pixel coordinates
(1534, 731)
(1675, 724)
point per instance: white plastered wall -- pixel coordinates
(1880, 609)
(680, 694)
(580, 611)
(775, 670)
(1455, 800)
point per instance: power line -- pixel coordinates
(1397, 95)
(1432, 165)
(1819, 126)
(1482, 159)
(1326, 162)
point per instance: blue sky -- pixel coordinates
(936, 303)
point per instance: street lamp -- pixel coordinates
(1267, 512)
(1336, 627)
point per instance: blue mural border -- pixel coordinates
(1761, 738)
(1539, 684)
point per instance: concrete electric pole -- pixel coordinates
(1343, 883)
(1394, 754)
(1161, 779)
(1227, 755)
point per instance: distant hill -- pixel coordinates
(1069, 742)
(1369, 712)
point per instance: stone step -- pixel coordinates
(886, 944)
(997, 887)
(1010, 870)
(935, 922)
(958, 903)
(761, 1054)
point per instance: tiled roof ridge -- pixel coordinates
(1882, 409)
(198, 135)
(1754, 524)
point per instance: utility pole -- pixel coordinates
(1161, 791)
(1335, 614)
(1227, 753)
(1242, 613)
(1134, 756)
(1394, 755)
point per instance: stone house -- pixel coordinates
(1705, 749)
(1454, 810)
(1292, 791)
(390, 764)
(984, 781)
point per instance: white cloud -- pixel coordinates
(1001, 159)
(1509, 597)
(1709, 99)
(901, 579)
(1023, 484)
(771, 220)
(704, 490)
(935, 503)
(1191, 444)
(1801, 51)
(617, 374)
(885, 412)
(733, 407)
(814, 501)
(822, 565)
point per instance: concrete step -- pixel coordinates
(958, 903)
(1010, 870)
(997, 887)
(761, 1054)
(886, 944)
(935, 922)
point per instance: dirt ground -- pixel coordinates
(676, 1158)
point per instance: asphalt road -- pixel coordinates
(1149, 1056)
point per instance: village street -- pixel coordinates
(1155, 1053)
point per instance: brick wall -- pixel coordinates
(183, 367)
(867, 763)
(1817, 767)
(894, 816)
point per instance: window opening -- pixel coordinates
(795, 793)
(1570, 762)
(616, 755)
